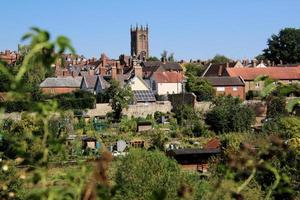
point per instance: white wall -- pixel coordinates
(137, 84)
(165, 88)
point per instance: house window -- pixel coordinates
(220, 89)
(153, 85)
(257, 85)
(290, 81)
(234, 88)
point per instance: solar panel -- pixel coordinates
(144, 96)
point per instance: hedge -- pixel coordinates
(15, 106)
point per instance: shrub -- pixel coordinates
(16, 106)
(229, 115)
(276, 107)
(144, 174)
(128, 125)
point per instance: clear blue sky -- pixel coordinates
(189, 28)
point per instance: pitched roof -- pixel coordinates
(193, 151)
(61, 82)
(168, 77)
(277, 73)
(150, 67)
(225, 81)
(215, 70)
(90, 81)
(103, 83)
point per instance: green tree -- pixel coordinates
(276, 107)
(285, 46)
(229, 115)
(200, 87)
(152, 58)
(145, 174)
(194, 69)
(220, 59)
(120, 98)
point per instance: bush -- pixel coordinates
(146, 174)
(284, 127)
(16, 106)
(229, 115)
(276, 107)
(252, 94)
(128, 125)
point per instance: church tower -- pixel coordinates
(139, 42)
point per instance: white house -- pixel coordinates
(163, 83)
(137, 83)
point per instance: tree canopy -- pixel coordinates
(200, 87)
(284, 47)
(120, 98)
(219, 59)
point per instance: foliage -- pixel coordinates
(220, 59)
(159, 140)
(292, 104)
(200, 87)
(120, 98)
(284, 127)
(252, 94)
(287, 90)
(152, 58)
(102, 97)
(194, 69)
(166, 57)
(229, 115)
(284, 46)
(127, 125)
(144, 175)
(276, 107)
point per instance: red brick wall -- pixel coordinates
(229, 91)
(58, 90)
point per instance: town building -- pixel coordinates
(227, 85)
(9, 57)
(280, 74)
(61, 85)
(166, 82)
(140, 42)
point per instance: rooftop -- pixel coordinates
(61, 82)
(277, 73)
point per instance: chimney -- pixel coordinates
(164, 59)
(91, 72)
(220, 70)
(102, 71)
(138, 70)
(113, 72)
(254, 62)
(227, 65)
(268, 63)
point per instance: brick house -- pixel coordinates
(60, 85)
(234, 86)
(281, 74)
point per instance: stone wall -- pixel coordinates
(137, 110)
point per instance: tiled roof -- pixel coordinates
(168, 77)
(216, 70)
(225, 81)
(150, 67)
(277, 73)
(103, 83)
(90, 81)
(62, 82)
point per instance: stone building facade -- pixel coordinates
(140, 42)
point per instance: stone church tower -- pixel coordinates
(139, 42)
